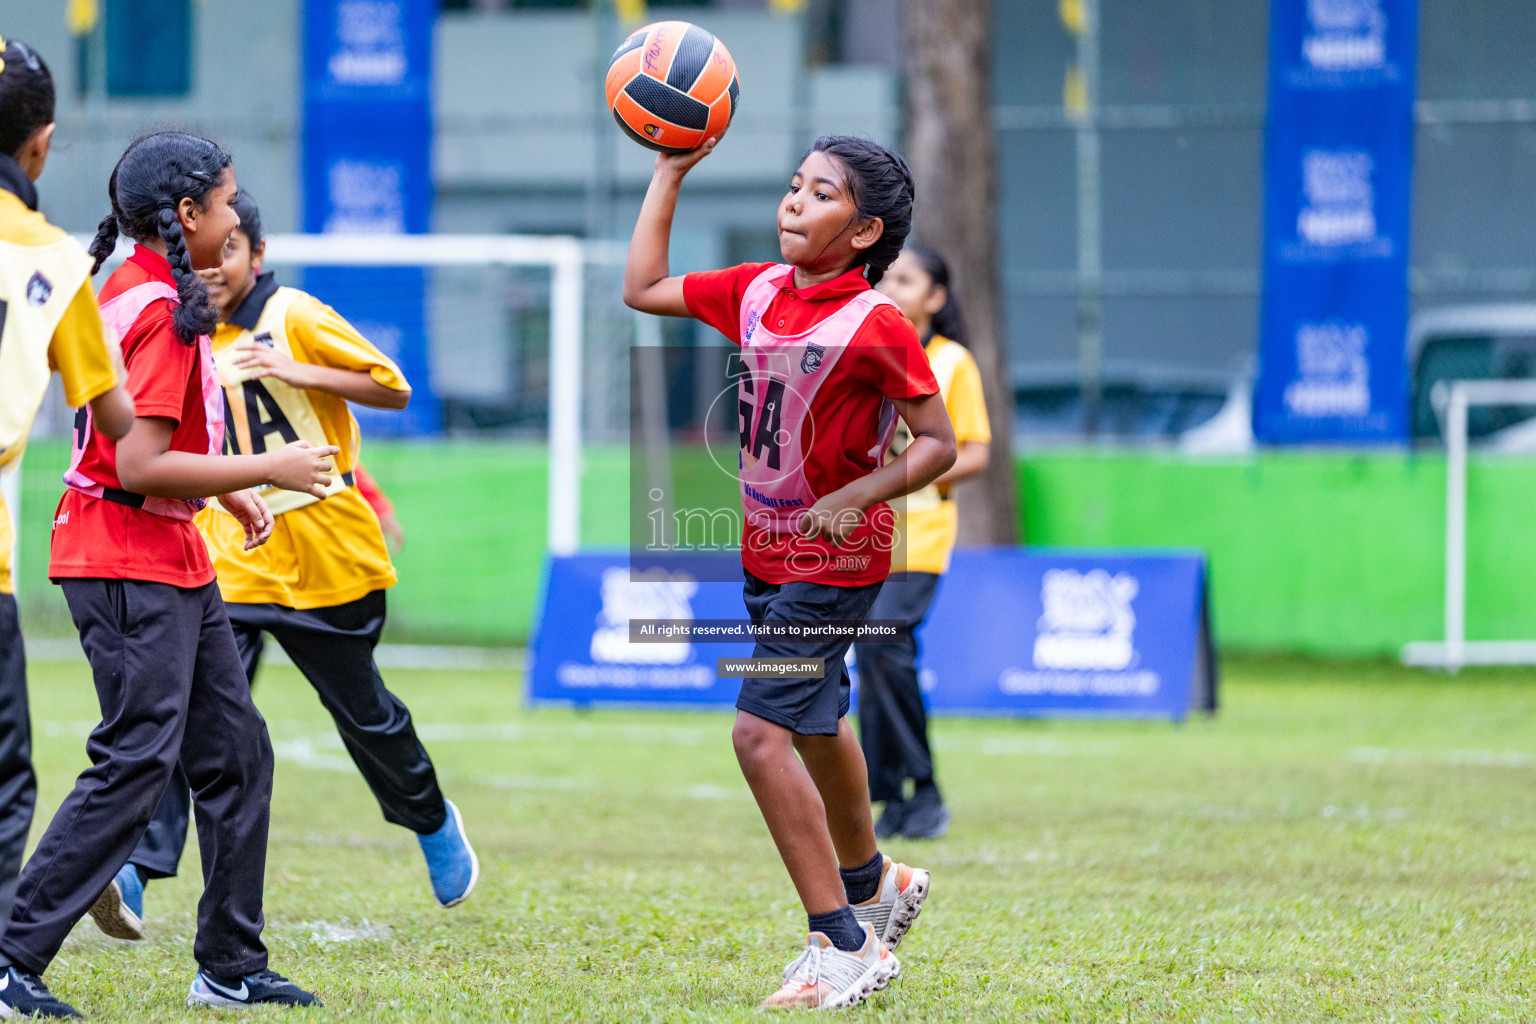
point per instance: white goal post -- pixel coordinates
(1455, 398)
(567, 258)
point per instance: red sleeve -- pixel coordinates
(160, 367)
(889, 358)
(372, 493)
(714, 296)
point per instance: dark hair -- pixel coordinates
(26, 95)
(148, 184)
(946, 322)
(881, 184)
(244, 205)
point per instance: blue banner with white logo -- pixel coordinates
(1337, 196)
(1011, 631)
(367, 170)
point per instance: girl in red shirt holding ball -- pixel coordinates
(830, 363)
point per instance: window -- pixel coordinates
(149, 47)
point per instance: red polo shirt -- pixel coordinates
(883, 360)
(100, 539)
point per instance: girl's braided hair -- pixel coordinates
(147, 186)
(881, 183)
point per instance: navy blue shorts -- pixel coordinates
(807, 707)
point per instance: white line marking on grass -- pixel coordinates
(1454, 758)
(448, 732)
(1032, 746)
(302, 752)
(534, 781)
(402, 656)
(328, 933)
(77, 729)
(705, 791)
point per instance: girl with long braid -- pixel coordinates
(140, 587)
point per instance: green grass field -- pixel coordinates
(1344, 842)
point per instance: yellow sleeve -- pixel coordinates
(966, 404)
(78, 350)
(320, 335)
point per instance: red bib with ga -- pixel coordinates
(774, 394)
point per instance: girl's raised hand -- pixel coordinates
(302, 467)
(681, 163)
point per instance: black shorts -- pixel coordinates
(808, 707)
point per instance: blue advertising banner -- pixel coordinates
(1012, 631)
(1337, 196)
(367, 170)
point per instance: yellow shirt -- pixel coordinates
(327, 552)
(77, 348)
(928, 522)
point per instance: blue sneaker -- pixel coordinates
(25, 995)
(451, 861)
(119, 910)
(267, 987)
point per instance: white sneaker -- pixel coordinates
(824, 977)
(895, 905)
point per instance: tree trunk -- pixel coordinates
(953, 152)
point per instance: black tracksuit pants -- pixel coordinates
(333, 647)
(893, 723)
(171, 690)
(18, 784)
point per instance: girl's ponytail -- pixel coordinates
(146, 189)
(195, 315)
(104, 243)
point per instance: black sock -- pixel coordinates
(861, 883)
(841, 927)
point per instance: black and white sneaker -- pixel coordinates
(25, 995)
(262, 987)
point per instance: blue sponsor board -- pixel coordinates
(367, 170)
(1337, 198)
(1012, 632)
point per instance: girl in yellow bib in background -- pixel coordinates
(289, 365)
(893, 724)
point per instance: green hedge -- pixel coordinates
(1327, 552)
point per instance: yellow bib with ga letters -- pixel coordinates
(262, 415)
(37, 284)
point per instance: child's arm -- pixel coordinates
(931, 452)
(353, 385)
(146, 465)
(972, 460)
(648, 284)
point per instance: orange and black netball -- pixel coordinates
(671, 86)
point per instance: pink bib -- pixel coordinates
(118, 316)
(782, 375)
